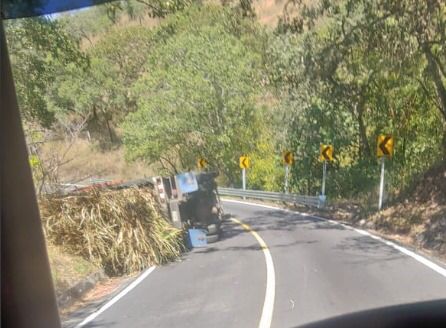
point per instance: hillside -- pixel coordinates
(84, 161)
(113, 79)
(420, 213)
(416, 218)
(269, 11)
(90, 27)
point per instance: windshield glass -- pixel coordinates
(235, 163)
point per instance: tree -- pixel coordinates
(353, 69)
(403, 34)
(197, 97)
(39, 48)
(101, 90)
(86, 24)
(152, 8)
(86, 93)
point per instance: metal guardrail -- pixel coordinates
(276, 196)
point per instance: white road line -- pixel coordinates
(268, 304)
(433, 266)
(403, 250)
(134, 283)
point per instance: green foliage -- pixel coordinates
(152, 8)
(100, 91)
(86, 24)
(35, 164)
(267, 171)
(197, 96)
(350, 70)
(39, 48)
(200, 85)
(93, 22)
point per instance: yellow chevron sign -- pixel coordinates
(202, 163)
(384, 145)
(326, 153)
(288, 158)
(244, 163)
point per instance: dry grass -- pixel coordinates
(86, 160)
(121, 230)
(416, 217)
(101, 290)
(269, 11)
(123, 22)
(420, 211)
(67, 269)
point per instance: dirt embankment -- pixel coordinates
(417, 217)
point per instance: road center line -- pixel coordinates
(135, 283)
(268, 304)
(421, 259)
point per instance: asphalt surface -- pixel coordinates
(321, 270)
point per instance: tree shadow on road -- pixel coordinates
(364, 249)
(286, 221)
(253, 247)
(360, 248)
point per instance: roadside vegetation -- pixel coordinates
(68, 269)
(206, 80)
(121, 231)
(161, 84)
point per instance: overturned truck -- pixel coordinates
(191, 201)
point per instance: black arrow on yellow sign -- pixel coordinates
(244, 162)
(383, 145)
(325, 153)
(288, 158)
(202, 163)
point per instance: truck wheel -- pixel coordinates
(212, 238)
(213, 229)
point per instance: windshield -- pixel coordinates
(234, 163)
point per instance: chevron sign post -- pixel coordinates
(326, 154)
(384, 148)
(244, 164)
(288, 160)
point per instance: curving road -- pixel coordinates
(321, 270)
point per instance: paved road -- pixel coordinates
(321, 270)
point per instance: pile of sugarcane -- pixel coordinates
(121, 230)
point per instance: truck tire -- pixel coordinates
(213, 229)
(212, 238)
